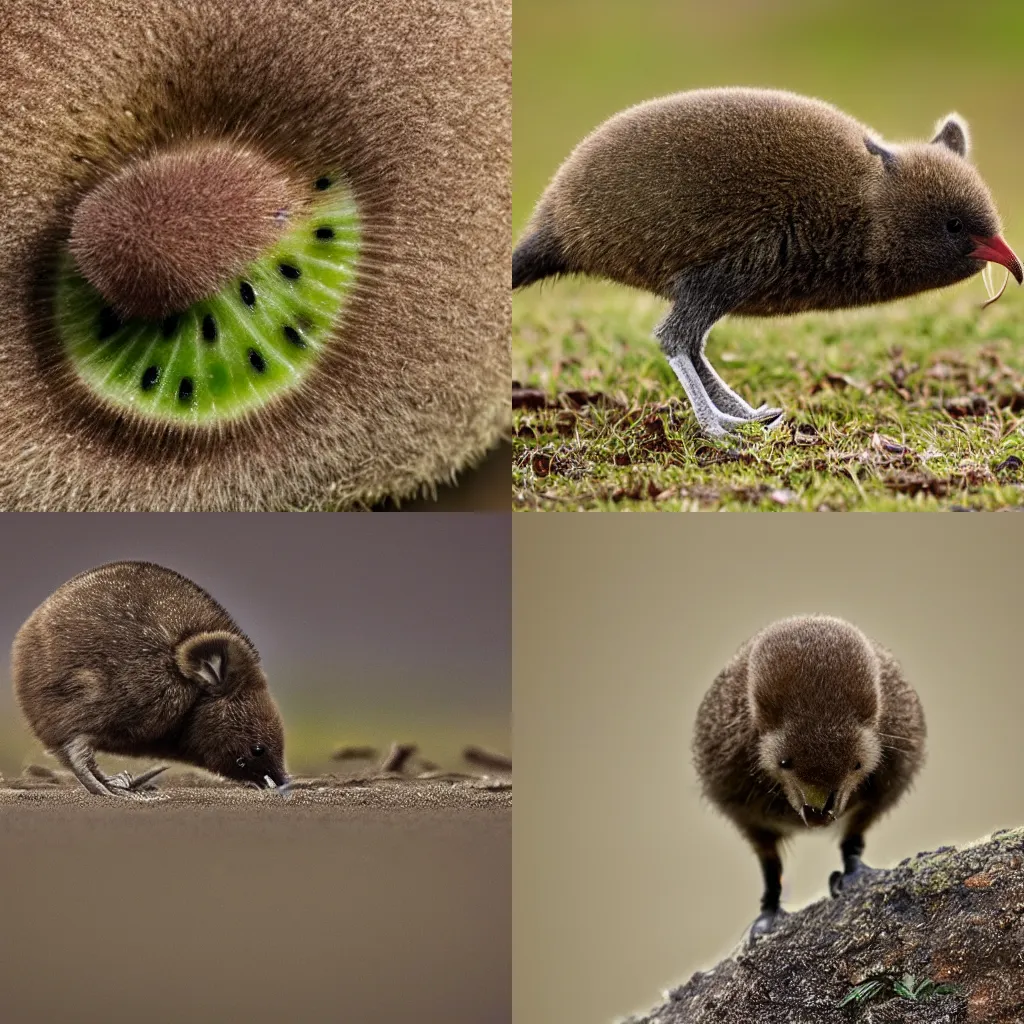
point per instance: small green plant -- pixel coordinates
(908, 987)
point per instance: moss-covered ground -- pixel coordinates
(918, 405)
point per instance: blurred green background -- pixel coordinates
(897, 66)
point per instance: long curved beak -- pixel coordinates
(995, 250)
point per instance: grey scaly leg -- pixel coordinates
(702, 297)
(726, 399)
(712, 421)
(78, 756)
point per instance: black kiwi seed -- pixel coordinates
(322, 183)
(248, 295)
(170, 325)
(325, 233)
(209, 327)
(150, 377)
(185, 389)
(257, 361)
(293, 336)
(110, 323)
(287, 270)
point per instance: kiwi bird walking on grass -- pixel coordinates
(134, 659)
(810, 723)
(759, 203)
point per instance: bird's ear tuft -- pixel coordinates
(212, 660)
(952, 133)
(877, 149)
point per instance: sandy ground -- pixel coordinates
(373, 900)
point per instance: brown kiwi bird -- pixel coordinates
(759, 203)
(253, 253)
(810, 723)
(134, 659)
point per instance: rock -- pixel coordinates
(955, 916)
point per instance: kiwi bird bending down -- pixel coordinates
(134, 659)
(811, 722)
(759, 203)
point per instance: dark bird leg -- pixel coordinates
(851, 848)
(766, 846)
(700, 301)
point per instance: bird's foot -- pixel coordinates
(767, 415)
(717, 424)
(720, 425)
(124, 783)
(838, 881)
(764, 925)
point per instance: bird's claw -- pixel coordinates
(840, 880)
(764, 925)
(125, 782)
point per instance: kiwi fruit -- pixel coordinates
(253, 255)
(233, 348)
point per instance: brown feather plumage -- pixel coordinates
(808, 708)
(757, 202)
(115, 656)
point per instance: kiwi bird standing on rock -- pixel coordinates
(134, 659)
(811, 722)
(759, 203)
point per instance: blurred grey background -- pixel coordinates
(625, 882)
(371, 628)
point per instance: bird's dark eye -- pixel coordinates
(257, 751)
(857, 767)
(240, 762)
(786, 762)
(954, 226)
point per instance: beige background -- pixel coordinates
(625, 883)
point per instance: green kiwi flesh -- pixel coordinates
(230, 352)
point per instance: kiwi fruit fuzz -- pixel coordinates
(253, 255)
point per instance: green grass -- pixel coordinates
(917, 405)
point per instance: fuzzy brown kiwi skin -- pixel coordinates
(414, 385)
(175, 227)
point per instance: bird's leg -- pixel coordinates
(711, 420)
(726, 399)
(77, 755)
(766, 846)
(702, 296)
(854, 869)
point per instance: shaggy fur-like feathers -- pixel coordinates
(800, 202)
(144, 663)
(817, 682)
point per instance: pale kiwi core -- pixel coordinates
(200, 283)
